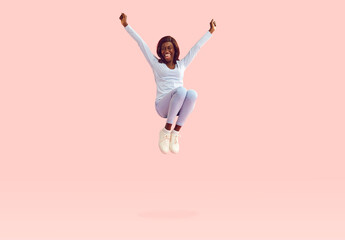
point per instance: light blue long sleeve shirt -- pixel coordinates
(167, 79)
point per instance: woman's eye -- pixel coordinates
(164, 48)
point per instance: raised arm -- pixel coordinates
(143, 46)
(195, 49)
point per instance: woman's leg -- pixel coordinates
(187, 107)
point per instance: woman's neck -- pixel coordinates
(170, 65)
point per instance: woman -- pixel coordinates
(172, 99)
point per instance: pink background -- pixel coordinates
(262, 155)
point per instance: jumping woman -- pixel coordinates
(172, 99)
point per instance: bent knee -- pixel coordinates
(181, 91)
(192, 94)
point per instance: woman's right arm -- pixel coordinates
(143, 46)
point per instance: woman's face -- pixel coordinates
(168, 51)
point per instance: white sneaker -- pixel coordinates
(174, 145)
(164, 138)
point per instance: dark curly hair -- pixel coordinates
(159, 47)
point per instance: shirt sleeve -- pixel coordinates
(143, 46)
(195, 49)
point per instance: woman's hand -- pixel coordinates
(212, 26)
(123, 19)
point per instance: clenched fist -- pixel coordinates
(123, 19)
(212, 26)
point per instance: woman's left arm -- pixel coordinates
(195, 49)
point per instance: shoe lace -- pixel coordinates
(166, 137)
(176, 137)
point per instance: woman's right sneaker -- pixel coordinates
(164, 140)
(174, 145)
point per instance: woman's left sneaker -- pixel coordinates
(174, 145)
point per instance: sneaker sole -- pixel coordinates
(162, 150)
(173, 152)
